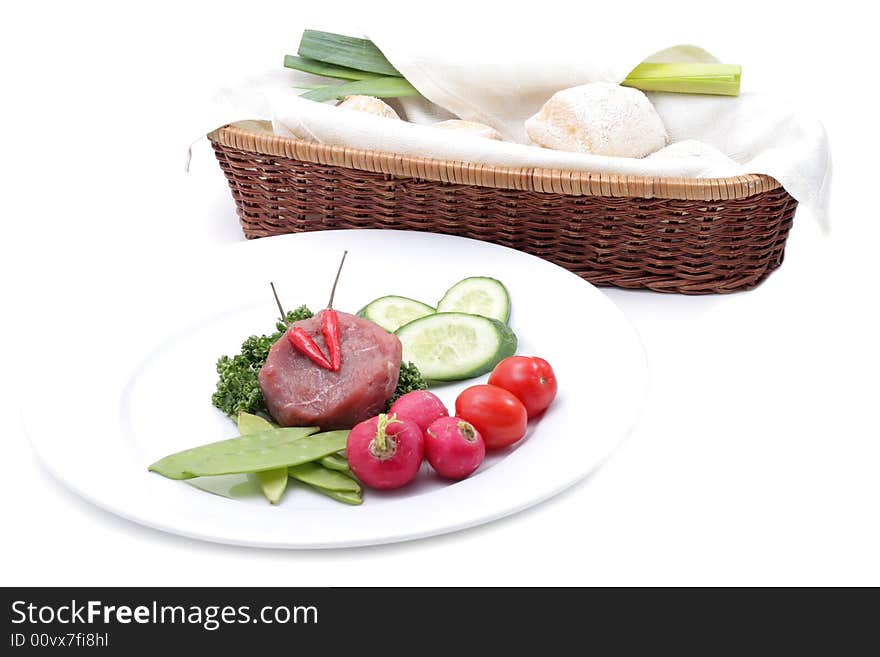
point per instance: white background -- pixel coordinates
(756, 461)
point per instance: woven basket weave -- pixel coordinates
(692, 236)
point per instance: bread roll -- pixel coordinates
(370, 105)
(599, 118)
(470, 128)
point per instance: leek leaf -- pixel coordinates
(350, 52)
(326, 70)
(687, 78)
(683, 70)
(387, 87)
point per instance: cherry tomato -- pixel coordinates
(496, 413)
(530, 378)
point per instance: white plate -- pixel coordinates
(103, 420)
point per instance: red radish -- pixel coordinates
(385, 452)
(420, 406)
(453, 447)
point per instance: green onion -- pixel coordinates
(326, 70)
(360, 54)
(690, 78)
(379, 87)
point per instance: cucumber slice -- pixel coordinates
(392, 312)
(455, 346)
(479, 295)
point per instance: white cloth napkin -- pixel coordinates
(502, 76)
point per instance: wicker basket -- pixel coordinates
(693, 236)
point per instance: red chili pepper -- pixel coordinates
(330, 329)
(330, 325)
(303, 343)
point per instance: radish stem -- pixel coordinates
(383, 446)
(467, 431)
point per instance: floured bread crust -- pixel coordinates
(599, 118)
(370, 105)
(469, 127)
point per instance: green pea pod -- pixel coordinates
(274, 456)
(234, 450)
(273, 483)
(249, 423)
(320, 477)
(335, 462)
(346, 497)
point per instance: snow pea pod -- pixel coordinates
(346, 497)
(271, 457)
(320, 477)
(335, 462)
(249, 423)
(180, 465)
(273, 483)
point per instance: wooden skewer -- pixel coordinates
(336, 280)
(278, 301)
